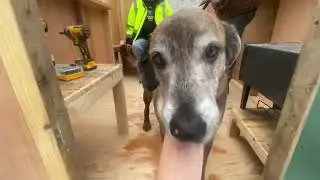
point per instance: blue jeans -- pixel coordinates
(140, 49)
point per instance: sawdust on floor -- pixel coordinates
(105, 155)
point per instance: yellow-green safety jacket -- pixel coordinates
(138, 14)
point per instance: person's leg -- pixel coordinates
(140, 49)
(241, 21)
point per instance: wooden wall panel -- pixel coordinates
(115, 21)
(115, 26)
(294, 20)
(122, 27)
(101, 43)
(19, 158)
(261, 27)
(60, 14)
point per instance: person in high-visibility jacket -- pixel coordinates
(144, 16)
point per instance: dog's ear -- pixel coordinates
(147, 74)
(233, 43)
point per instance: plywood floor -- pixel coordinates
(107, 156)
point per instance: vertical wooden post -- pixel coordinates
(119, 19)
(108, 33)
(300, 97)
(28, 65)
(114, 22)
(120, 107)
(305, 160)
(125, 7)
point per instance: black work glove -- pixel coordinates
(128, 44)
(129, 40)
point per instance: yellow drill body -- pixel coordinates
(79, 34)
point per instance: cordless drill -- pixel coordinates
(79, 34)
(64, 72)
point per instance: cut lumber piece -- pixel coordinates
(257, 128)
(301, 94)
(28, 65)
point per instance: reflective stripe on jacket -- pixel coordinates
(138, 14)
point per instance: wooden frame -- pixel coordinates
(28, 65)
(114, 80)
(81, 94)
(27, 62)
(274, 141)
(301, 94)
(105, 7)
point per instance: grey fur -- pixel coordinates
(188, 76)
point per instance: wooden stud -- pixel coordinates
(114, 23)
(28, 65)
(301, 94)
(121, 108)
(108, 35)
(97, 4)
(122, 28)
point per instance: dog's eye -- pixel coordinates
(211, 52)
(158, 60)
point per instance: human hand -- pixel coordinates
(128, 48)
(214, 3)
(205, 3)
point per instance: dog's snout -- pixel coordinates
(188, 131)
(187, 125)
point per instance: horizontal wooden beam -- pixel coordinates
(92, 90)
(99, 4)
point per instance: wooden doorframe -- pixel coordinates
(27, 62)
(300, 97)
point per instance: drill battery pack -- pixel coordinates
(87, 65)
(91, 65)
(66, 72)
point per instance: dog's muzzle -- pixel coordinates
(187, 125)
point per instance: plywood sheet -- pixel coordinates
(293, 21)
(19, 158)
(100, 43)
(59, 14)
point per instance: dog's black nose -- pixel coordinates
(187, 125)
